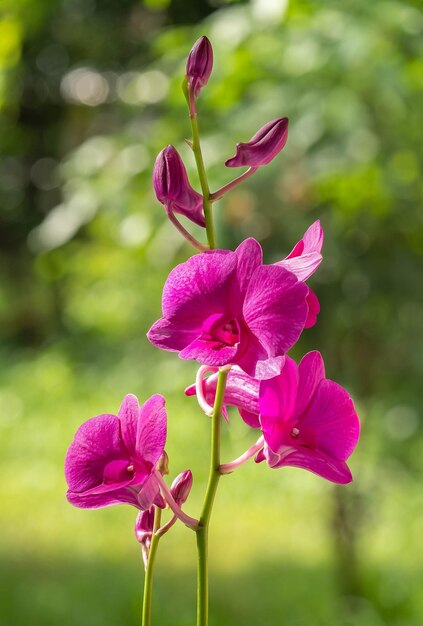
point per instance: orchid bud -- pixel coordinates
(163, 463)
(181, 487)
(144, 525)
(263, 146)
(172, 187)
(199, 65)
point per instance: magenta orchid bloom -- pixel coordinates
(173, 189)
(308, 421)
(242, 392)
(222, 307)
(263, 146)
(113, 457)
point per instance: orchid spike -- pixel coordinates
(263, 146)
(172, 187)
(112, 458)
(199, 68)
(224, 307)
(308, 421)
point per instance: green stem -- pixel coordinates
(148, 580)
(207, 205)
(203, 527)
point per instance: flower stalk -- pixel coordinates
(207, 204)
(216, 195)
(148, 580)
(203, 527)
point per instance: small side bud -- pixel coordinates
(144, 525)
(172, 187)
(263, 146)
(163, 464)
(199, 68)
(181, 487)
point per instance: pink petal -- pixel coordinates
(173, 336)
(275, 308)
(96, 443)
(199, 287)
(251, 419)
(311, 371)
(208, 352)
(332, 417)
(313, 309)
(327, 467)
(151, 431)
(278, 395)
(277, 403)
(305, 257)
(128, 415)
(149, 493)
(96, 501)
(249, 258)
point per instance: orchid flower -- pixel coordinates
(308, 421)
(224, 307)
(112, 458)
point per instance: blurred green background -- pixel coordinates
(89, 93)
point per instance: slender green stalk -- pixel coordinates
(148, 580)
(207, 205)
(203, 527)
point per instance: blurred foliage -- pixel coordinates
(89, 93)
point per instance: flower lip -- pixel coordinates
(219, 328)
(117, 471)
(262, 148)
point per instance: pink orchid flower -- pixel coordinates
(222, 307)
(112, 458)
(262, 148)
(308, 421)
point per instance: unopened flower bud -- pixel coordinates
(263, 146)
(163, 463)
(172, 187)
(199, 65)
(144, 525)
(181, 487)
